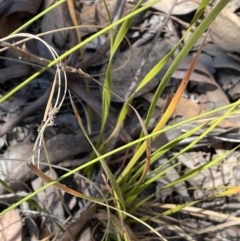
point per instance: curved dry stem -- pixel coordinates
(51, 109)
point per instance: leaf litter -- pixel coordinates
(214, 83)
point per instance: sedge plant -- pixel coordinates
(122, 200)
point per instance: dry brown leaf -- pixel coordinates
(59, 18)
(96, 14)
(181, 8)
(200, 78)
(49, 199)
(15, 71)
(60, 147)
(11, 12)
(86, 235)
(28, 6)
(124, 77)
(199, 67)
(5, 7)
(225, 124)
(214, 95)
(187, 108)
(220, 58)
(75, 227)
(11, 226)
(225, 31)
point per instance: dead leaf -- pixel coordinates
(15, 71)
(214, 95)
(49, 199)
(86, 235)
(187, 108)
(75, 227)
(24, 6)
(11, 226)
(225, 124)
(233, 5)
(230, 81)
(5, 6)
(220, 58)
(170, 176)
(9, 164)
(60, 147)
(96, 14)
(225, 31)
(182, 7)
(8, 24)
(59, 18)
(124, 77)
(198, 67)
(200, 78)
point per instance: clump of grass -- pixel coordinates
(123, 191)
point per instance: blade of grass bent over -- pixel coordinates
(117, 190)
